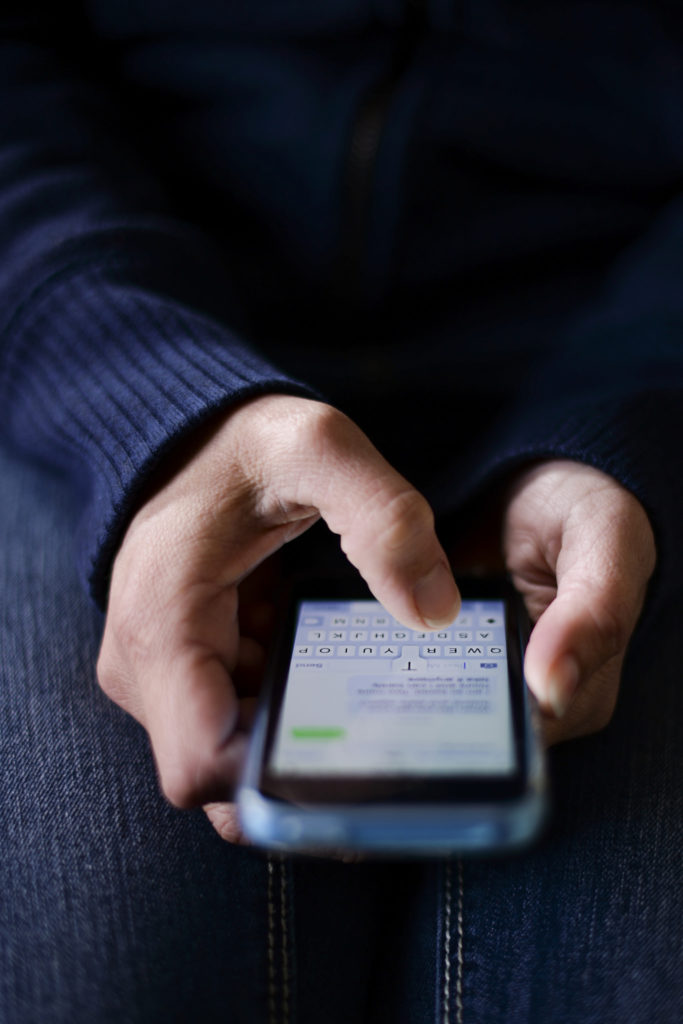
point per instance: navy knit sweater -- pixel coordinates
(459, 221)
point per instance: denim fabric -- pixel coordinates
(589, 926)
(114, 907)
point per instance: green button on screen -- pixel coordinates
(318, 732)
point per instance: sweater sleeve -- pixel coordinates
(119, 331)
(610, 393)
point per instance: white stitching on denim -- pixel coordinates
(272, 1005)
(285, 947)
(460, 932)
(459, 1007)
(446, 995)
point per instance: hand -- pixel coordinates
(173, 652)
(581, 550)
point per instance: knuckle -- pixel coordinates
(107, 677)
(178, 791)
(595, 704)
(611, 629)
(312, 425)
(118, 682)
(322, 420)
(188, 779)
(110, 672)
(300, 452)
(403, 521)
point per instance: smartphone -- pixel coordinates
(374, 737)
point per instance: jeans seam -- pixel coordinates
(452, 989)
(272, 986)
(459, 1006)
(278, 945)
(446, 992)
(285, 959)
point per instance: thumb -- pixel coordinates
(602, 573)
(582, 631)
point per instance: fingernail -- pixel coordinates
(437, 597)
(562, 684)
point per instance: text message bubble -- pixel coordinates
(426, 695)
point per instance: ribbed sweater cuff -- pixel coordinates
(103, 377)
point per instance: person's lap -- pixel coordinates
(589, 926)
(116, 907)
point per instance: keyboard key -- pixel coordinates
(410, 660)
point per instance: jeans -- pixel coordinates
(115, 907)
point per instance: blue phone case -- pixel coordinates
(420, 829)
(400, 815)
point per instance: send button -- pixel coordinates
(318, 732)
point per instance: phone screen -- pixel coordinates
(367, 697)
